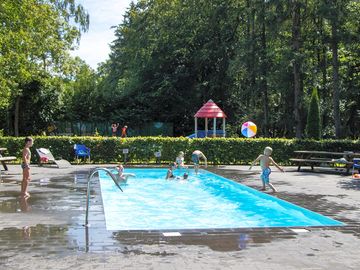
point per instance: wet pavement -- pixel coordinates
(46, 230)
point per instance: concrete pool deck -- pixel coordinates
(46, 231)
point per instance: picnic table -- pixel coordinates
(324, 159)
(4, 159)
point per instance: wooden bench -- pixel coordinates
(323, 159)
(3, 160)
(319, 163)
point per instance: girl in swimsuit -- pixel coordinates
(25, 165)
(123, 176)
(180, 160)
(114, 128)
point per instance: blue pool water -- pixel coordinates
(149, 202)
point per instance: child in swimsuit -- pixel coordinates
(114, 128)
(185, 176)
(120, 168)
(123, 176)
(25, 165)
(170, 174)
(180, 160)
(265, 162)
(195, 157)
(123, 132)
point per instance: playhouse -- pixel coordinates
(209, 111)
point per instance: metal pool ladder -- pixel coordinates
(113, 177)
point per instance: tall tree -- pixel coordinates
(337, 13)
(35, 38)
(313, 125)
(296, 37)
(263, 63)
(334, 44)
(81, 97)
(256, 59)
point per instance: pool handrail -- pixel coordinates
(88, 190)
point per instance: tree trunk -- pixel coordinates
(16, 116)
(263, 70)
(324, 58)
(264, 85)
(296, 67)
(335, 63)
(253, 55)
(250, 32)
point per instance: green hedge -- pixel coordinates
(141, 149)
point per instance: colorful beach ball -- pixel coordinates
(248, 129)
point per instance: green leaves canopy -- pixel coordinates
(169, 57)
(35, 37)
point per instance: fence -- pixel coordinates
(104, 129)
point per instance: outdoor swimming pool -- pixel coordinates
(205, 201)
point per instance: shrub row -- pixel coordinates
(142, 149)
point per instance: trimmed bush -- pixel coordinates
(142, 149)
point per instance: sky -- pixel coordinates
(94, 44)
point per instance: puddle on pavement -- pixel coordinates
(350, 184)
(47, 194)
(216, 240)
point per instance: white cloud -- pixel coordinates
(94, 45)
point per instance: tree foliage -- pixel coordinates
(35, 38)
(256, 59)
(313, 124)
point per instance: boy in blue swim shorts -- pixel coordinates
(265, 162)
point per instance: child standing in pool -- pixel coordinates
(265, 162)
(25, 165)
(195, 157)
(180, 160)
